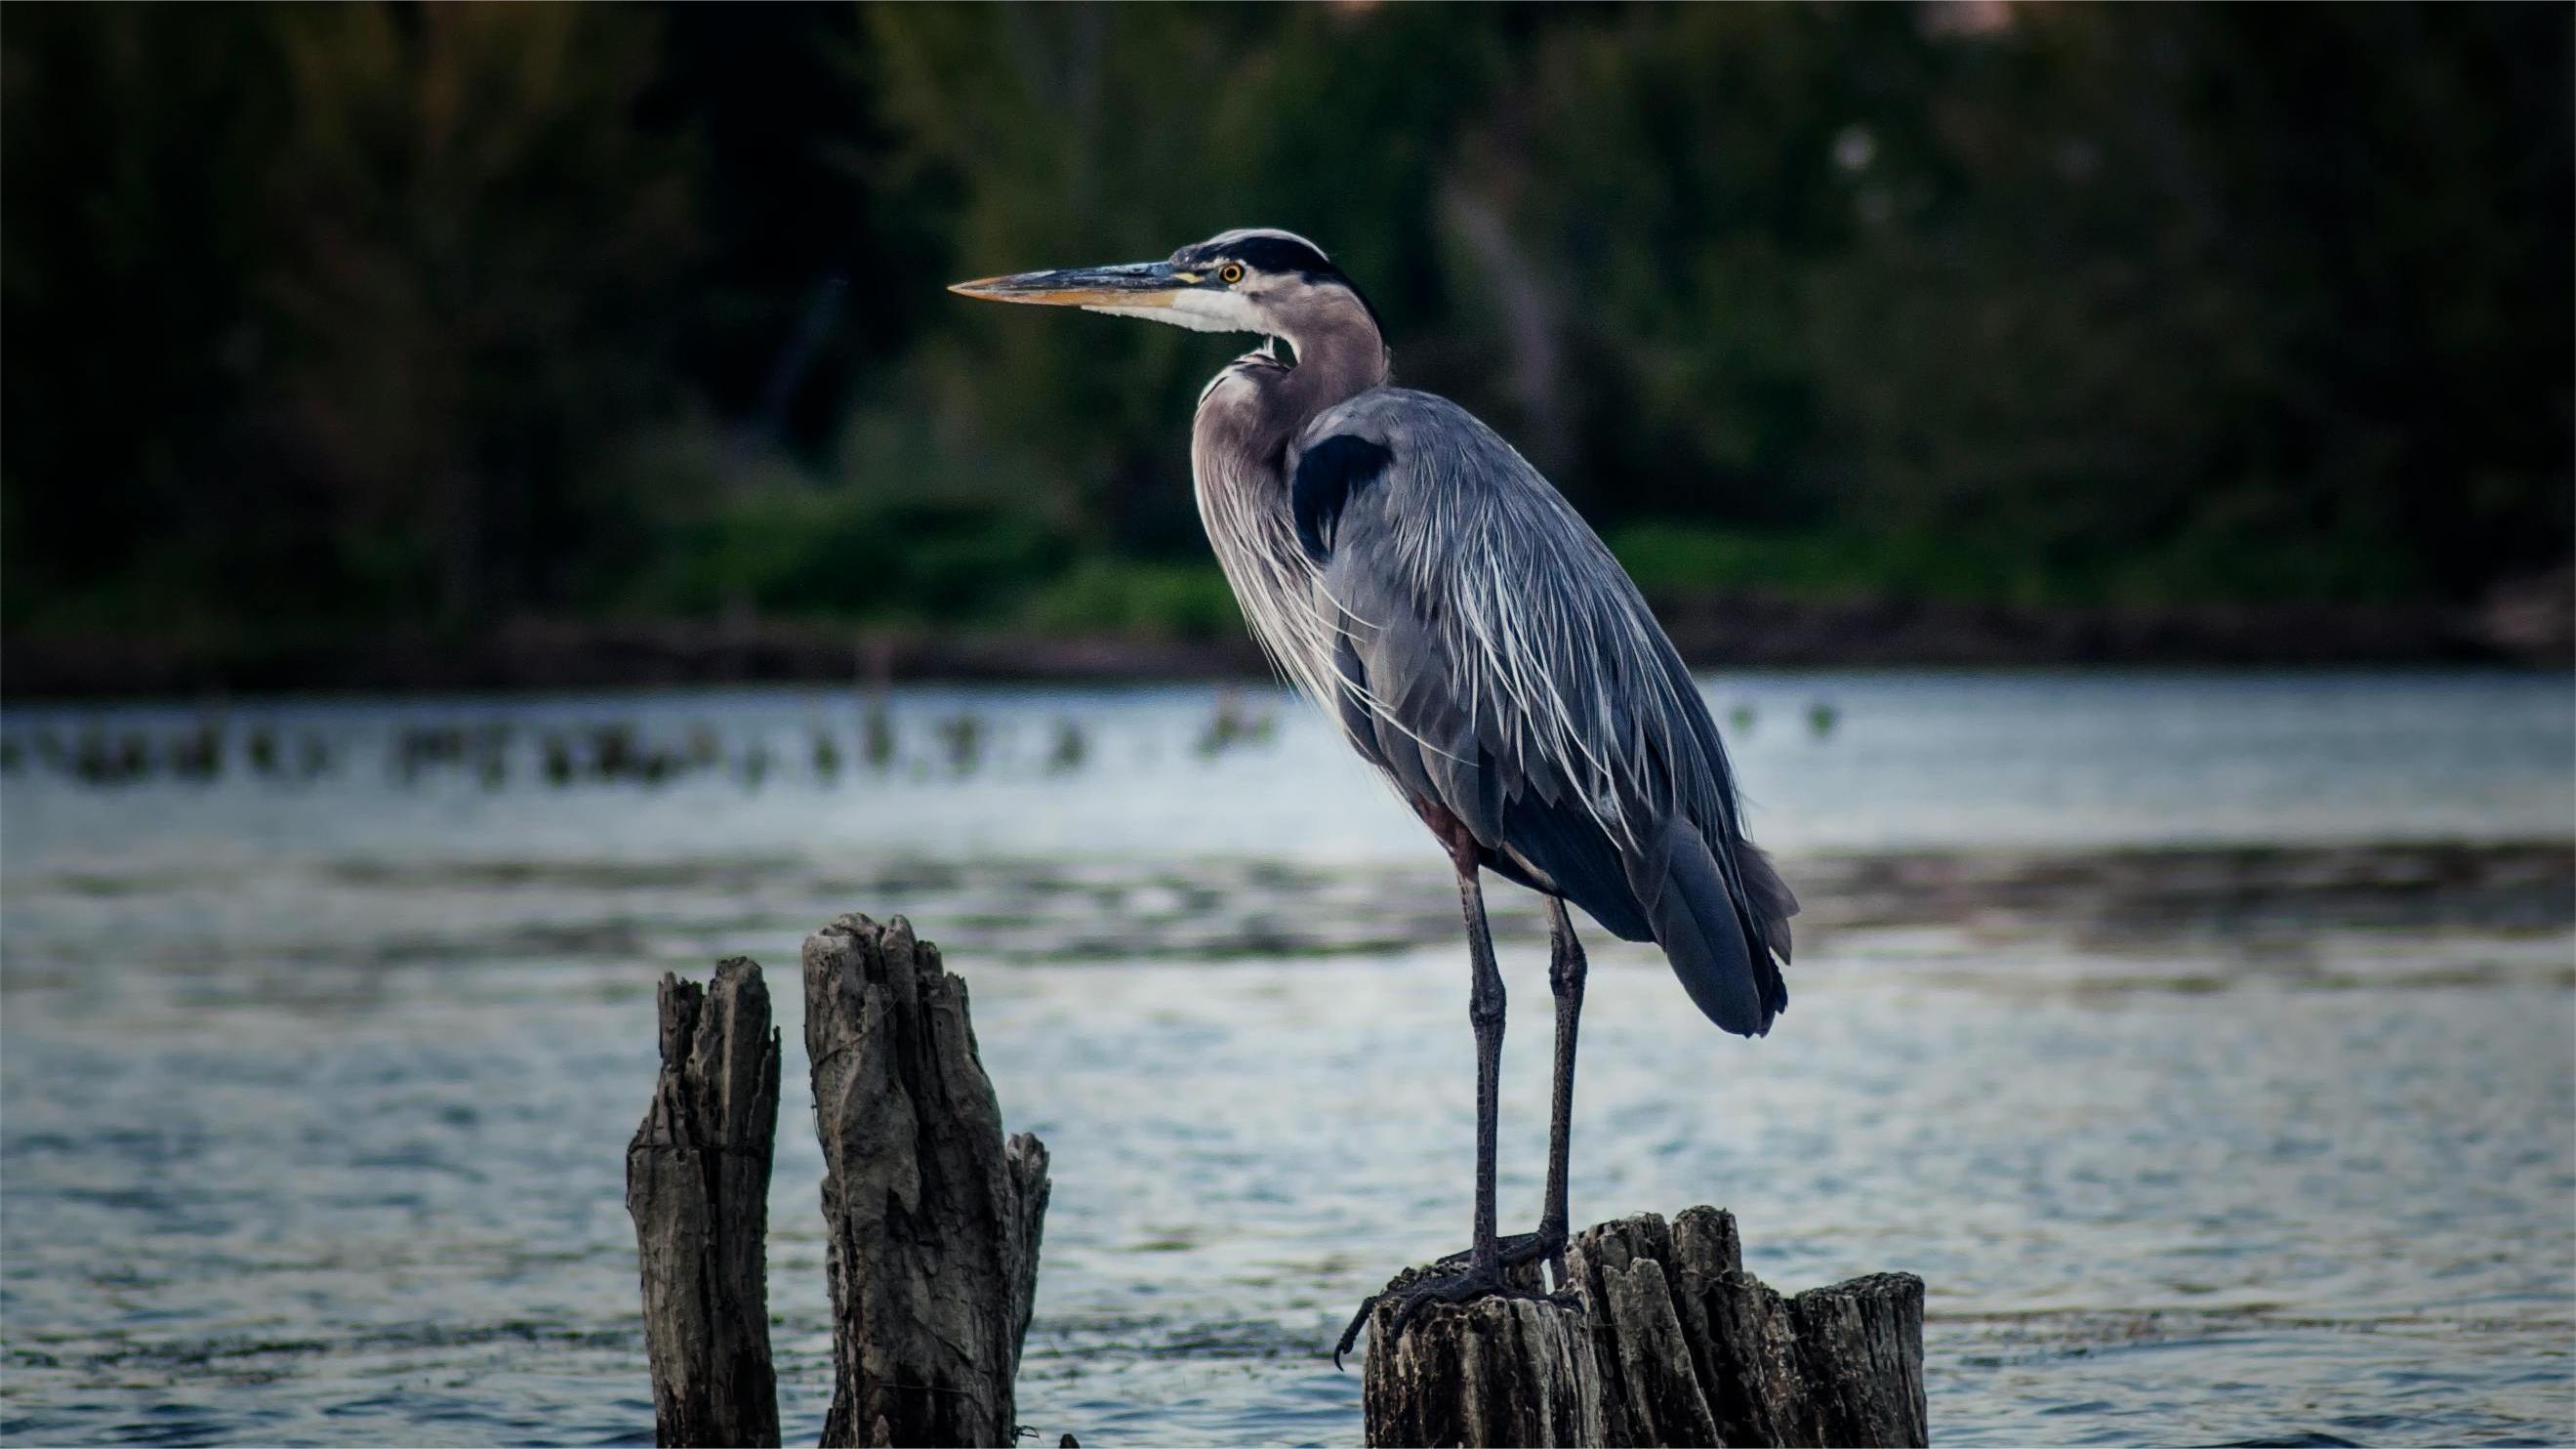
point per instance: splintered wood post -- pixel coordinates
(932, 1218)
(697, 1185)
(1664, 1339)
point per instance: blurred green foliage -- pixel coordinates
(361, 315)
(1113, 595)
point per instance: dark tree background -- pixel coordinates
(335, 319)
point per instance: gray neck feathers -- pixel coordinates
(1339, 351)
(1247, 419)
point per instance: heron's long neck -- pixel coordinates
(1339, 356)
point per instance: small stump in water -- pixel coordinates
(933, 1217)
(1661, 1339)
(697, 1185)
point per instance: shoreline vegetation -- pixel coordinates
(2528, 624)
(1882, 334)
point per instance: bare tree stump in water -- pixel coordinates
(933, 1219)
(697, 1185)
(1664, 1339)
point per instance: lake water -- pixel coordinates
(2207, 1042)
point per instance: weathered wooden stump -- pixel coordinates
(1661, 1339)
(697, 1185)
(933, 1218)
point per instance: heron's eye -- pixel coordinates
(1230, 273)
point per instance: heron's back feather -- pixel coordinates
(1483, 649)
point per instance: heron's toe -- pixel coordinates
(1519, 1249)
(1458, 1278)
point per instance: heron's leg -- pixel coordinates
(1479, 1272)
(1485, 1016)
(1565, 972)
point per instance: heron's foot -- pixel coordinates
(1458, 1278)
(1547, 1245)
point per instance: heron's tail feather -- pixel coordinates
(1727, 969)
(1773, 905)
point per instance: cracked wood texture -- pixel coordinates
(932, 1218)
(1662, 1339)
(697, 1186)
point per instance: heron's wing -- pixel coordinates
(1494, 659)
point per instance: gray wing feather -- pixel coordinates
(1494, 658)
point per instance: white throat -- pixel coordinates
(1199, 311)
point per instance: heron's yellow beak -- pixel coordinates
(1135, 285)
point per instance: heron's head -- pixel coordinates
(1257, 279)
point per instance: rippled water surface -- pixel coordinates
(2207, 1043)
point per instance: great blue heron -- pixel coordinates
(1478, 645)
